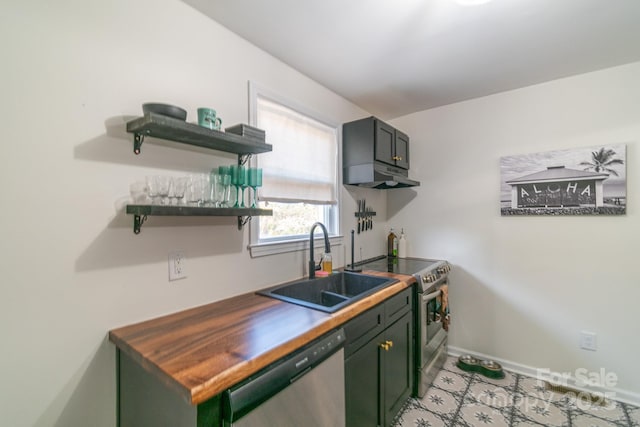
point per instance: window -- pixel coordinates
(300, 175)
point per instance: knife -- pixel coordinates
(359, 217)
(364, 219)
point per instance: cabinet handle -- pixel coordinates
(396, 158)
(389, 343)
(384, 346)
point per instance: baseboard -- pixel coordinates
(620, 395)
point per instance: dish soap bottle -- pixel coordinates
(392, 244)
(402, 245)
(327, 264)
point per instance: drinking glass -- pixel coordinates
(226, 184)
(225, 176)
(218, 183)
(233, 171)
(164, 182)
(242, 181)
(207, 191)
(172, 193)
(152, 185)
(179, 188)
(255, 181)
(213, 182)
(139, 193)
(195, 193)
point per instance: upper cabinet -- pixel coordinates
(375, 155)
(391, 145)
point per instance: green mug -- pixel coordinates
(207, 118)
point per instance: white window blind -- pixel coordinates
(302, 165)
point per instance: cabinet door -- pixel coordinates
(402, 150)
(384, 141)
(362, 386)
(398, 367)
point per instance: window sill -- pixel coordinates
(273, 248)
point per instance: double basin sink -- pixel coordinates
(328, 294)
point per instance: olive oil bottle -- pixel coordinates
(392, 244)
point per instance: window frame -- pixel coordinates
(273, 246)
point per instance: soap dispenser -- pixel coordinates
(402, 245)
(327, 263)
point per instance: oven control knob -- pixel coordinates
(428, 278)
(444, 269)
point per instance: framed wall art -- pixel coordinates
(582, 181)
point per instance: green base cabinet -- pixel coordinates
(398, 367)
(145, 401)
(379, 362)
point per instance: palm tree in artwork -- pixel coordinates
(602, 160)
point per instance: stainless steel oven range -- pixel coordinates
(431, 318)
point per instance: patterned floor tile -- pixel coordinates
(451, 381)
(535, 387)
(461, 399)
(613, 412)
(540, 411)
(482, 415)
(423, 419)
(490, 395)
(441, 401)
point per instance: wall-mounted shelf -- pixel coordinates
(141, 212)
(163, 127)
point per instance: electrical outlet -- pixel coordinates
(177, 265)
(588, 340)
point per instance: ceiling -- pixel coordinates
(395, 57)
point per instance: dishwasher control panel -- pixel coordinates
(327, 346)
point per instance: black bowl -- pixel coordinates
(165, 110)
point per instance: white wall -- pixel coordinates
(73, 72)
(524, 287)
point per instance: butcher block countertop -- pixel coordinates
(202, 351)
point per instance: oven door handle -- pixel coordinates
(431, 296)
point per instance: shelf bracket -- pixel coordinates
(243, 158)
(242, 222)
(138, 220)
(138, 139)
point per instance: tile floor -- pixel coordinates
(461, 399)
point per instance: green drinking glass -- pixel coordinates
(233, 171)
(243, 182)
(255, 181)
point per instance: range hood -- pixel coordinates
(377, 175)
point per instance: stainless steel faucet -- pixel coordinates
(327, 247)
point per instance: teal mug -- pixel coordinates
(207, 118)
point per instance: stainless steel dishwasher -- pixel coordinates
(306, 388)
